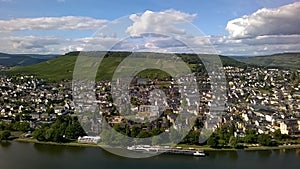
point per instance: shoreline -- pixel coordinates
(75, 144)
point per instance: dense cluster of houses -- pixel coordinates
(262, 99)
(28, 99)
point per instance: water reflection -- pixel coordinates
(233, 155)
(212, 154)
(108, 154)
(5, 144)
(279, 152)
(264, 153)
(55, 150)
(297, 151)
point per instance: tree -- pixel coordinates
(50, 111)
(222, 142)
(63, 129)
(118, 128)
(233, 141)
(74, 130)
(4, 135)
(192, 137)
(127, 131)
(213, 140)
(135, 131)
(2, 126)
(144, 134)
(17, 118)
(21, 126)
(264, 139)
(250, 137)
(39, 134)
(49, 134)
(224, 133)
(58, 136)
(278, 136)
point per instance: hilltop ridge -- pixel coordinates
(61, 68)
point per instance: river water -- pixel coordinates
(16, 155)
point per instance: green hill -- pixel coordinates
(23, 59)
(284, 60)
(61, 68)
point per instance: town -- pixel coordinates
(263, 104)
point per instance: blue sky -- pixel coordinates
(211, 17)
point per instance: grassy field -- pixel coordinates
(285, 60)
(23, 59)
(30, 140)
(61, 68)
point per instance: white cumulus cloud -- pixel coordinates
(51, 23)
(31, 44)
(51, 44)
(284, 20)
(164, 22)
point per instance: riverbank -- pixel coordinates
(184, 146)
(252, 148)
(29, 140)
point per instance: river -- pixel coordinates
(15, 155)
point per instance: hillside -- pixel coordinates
(284, 60)
(62, 67)
(23, 59)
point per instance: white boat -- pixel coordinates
(199, 153)
(144, 149)
(165, 149)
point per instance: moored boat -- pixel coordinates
(199, 153)
(166, 150)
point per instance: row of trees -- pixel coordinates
(125, 135)
(224, 136)
(6, 128)
(4, 135)
(67, 128)
(64, 129)
(114, 138)
(17, 126)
